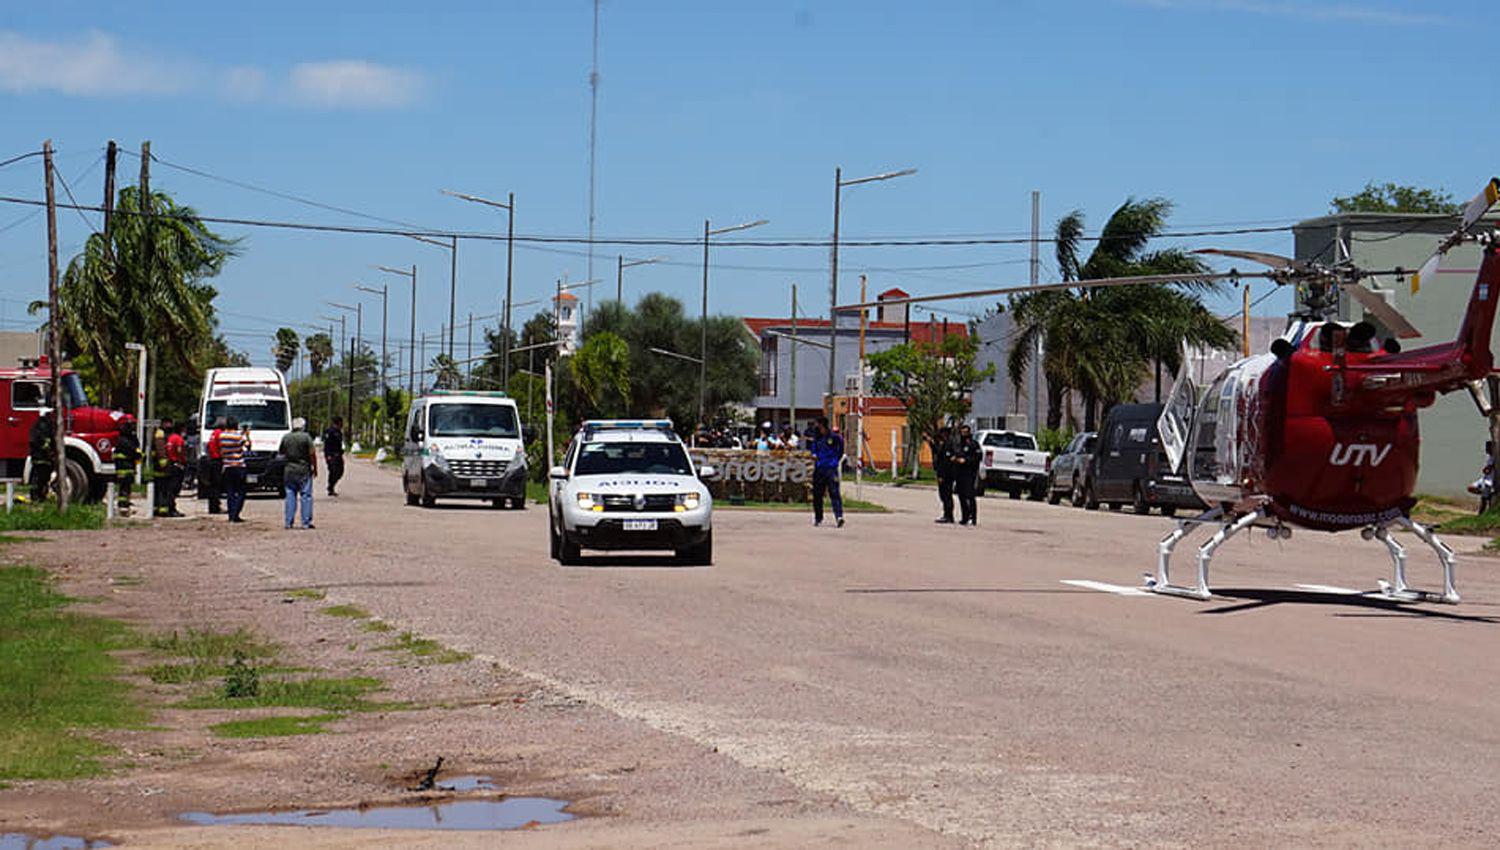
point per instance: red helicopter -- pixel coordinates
(1320, 432)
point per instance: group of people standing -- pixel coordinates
(955, 459)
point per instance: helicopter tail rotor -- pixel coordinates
(1472, 213)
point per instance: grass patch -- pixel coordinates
(926, 476)
(207, 654)
(127, 581)
(57, 679)
(332, 695)
(376, 626)
(1439, 510)
(307, 593)
(536, 492)
(425, 648)
(273, 727)
(352, 612)
(46, 517)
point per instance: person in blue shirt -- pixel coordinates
(827, 450)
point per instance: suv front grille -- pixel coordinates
(477, 468)
(621, 502)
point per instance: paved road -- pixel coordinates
(948, 678)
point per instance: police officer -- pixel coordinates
(940, 465)
(127, 455)
(965, 460)
(333, 453)
(43, 448)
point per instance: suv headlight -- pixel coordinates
(586, 502)
(688, 501)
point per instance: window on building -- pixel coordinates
(768, 365)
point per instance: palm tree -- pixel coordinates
(146, 283)
(285, 349)
(1099, 342)
(319, 352)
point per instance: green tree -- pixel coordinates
(1100, 342)
(446, 374)
(1396, 198)
(601, 371)
(147, 283)
(935, 380)
(319, 352)
(285, 348)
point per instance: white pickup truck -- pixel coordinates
(1010, 461)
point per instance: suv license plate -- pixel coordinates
(252, 479)
(640, 525)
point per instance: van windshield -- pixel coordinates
(472, 420)
(257, 414)
(649, 458)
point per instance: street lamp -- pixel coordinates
(703, 336)
(411, 373)
(333, 382)
(839, 183)
(510, 243)
(451, 246)
(620, 268)
(679, 355)
(384, 293)
(359, 316)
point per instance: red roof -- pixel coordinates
(893, 292)
(920, 331)
(566, 296)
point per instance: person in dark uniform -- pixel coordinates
(827, 449)
(333, 452)
(43, 448)
(127, 455)
(944, 471)
(965, 460)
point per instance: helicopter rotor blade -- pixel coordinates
(1275, 261)
(1378, 307)
(1094, 283)
(1473, 211)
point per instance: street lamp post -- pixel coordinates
(839, 184)
(451, 246)
(510, 243)
(354, 344)
(384, 293)
(621, 265)
(411, 373)
(703, 319)
(333, 382)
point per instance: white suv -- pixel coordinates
(626, 484)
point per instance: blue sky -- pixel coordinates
(1241, 111)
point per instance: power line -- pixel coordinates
(645, 242)
(19, 157)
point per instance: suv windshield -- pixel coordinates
(256, 414)
(1009, 441)
(472, 420)
(614, 458)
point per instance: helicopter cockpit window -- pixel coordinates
(1210, 428)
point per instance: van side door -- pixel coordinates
(1110, 461)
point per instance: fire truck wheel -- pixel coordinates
(77, 481)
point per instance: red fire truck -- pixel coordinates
(89, 435)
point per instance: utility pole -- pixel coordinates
(510, 245)
(1036, 270)
(452, 292)
(833, 290)
(593, 144)
(703, 337)
(111, 156)
(792, 405)
(469, 358)
(859, 400)
(54, 340)
(146, 206)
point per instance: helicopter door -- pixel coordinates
(1175, 423)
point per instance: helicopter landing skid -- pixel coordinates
(1162, 582)
(1397, 588)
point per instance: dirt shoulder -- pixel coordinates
(630, 785)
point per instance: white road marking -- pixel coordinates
(1117, 589)
(1329, 588)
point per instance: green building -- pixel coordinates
(1453, 431)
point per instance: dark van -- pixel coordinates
(1131, 466)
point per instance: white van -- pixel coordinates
(464, 445)
(257, 397)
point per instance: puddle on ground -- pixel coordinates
(508, 813)
(29, 841)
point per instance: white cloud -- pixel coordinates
(92, 65)
(354, 83)
(96, 65)
(1345, 12)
